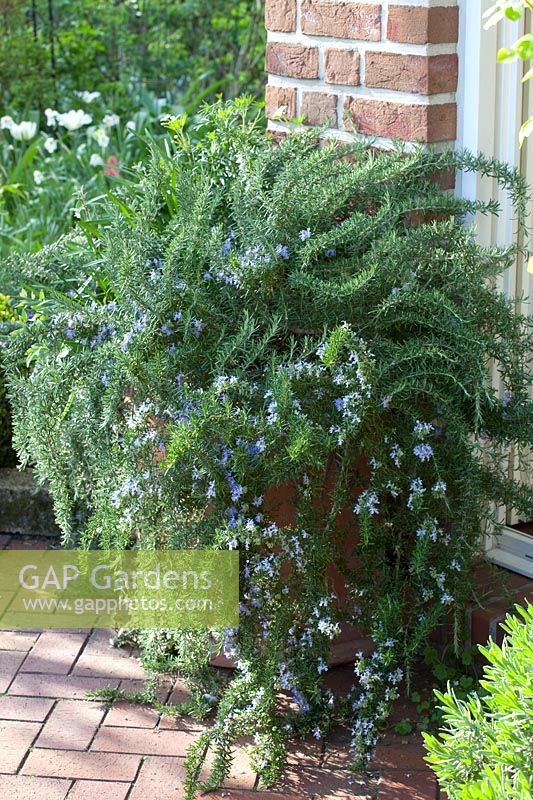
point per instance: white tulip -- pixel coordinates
(6, 123)
(51, 117)
(50, 145)
(38, 177)
(88, 97)
(96, 160)
(101, 137)
(111, 120)
(74, 120)
(24, 131)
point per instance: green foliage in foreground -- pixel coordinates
(7, 455)
(254, 316)
(485, 748)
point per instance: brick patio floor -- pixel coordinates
(56, 744)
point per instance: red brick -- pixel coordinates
(341, 19)
(408, 756)
(280, 102)
(15, 640)
(280, 15)
(408, 121)
(103, 790)
(342, 66)
(416, 25)
(99, 644)
(21, 787)
(67, 686)
(27, 709)
(72, 725)
(399, 785)
(113, 666)
(143, 741)
(319, 108)
(241, 775)
(10, 661)
(411, 73)
(160, 778)
(15, 739)
(54, 653)
(292, 60)
(84, 765)
(128, 715)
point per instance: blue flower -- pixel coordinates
(283, 251)
(331, 252)
(423, 451)
(306, 234)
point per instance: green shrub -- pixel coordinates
(261, 316)
(485, 748)
(7, 455)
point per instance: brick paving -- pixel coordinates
(55, 744)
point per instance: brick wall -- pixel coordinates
(385, 69)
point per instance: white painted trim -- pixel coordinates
(513, 550)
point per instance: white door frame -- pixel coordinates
(491, 102)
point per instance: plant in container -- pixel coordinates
(314, 319)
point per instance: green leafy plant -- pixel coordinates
(485, 748)
(7, 455)
(251, 320)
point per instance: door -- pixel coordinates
(493, 101)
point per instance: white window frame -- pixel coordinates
(491, 107)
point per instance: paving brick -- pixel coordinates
(113, 666)
(241, 775)
(74, 687)
(15, 640)
(72, 725)
(27, 709)
(83, 765)
(409, 756)
(160, 778)
(102, 790)
(22, 787)
(128, 715)
(54, 653)
(399, 785)
(10, 661)
(143, 741)
(15, 739)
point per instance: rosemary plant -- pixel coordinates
(318, 319)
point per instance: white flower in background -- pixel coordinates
(88, 97)
(24, 131)
(130, 125)
(110, 120)
(38, 177)
(96, 160)
(51, 117)
(50, 145)
(74, 120)
(101, 137)
(6, 123)
(81, 148)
